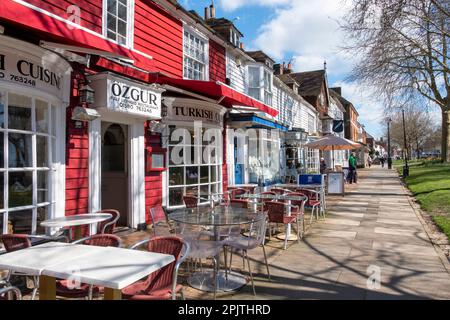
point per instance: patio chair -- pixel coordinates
(238, 203)
(276, 212)
(108, 226)
(161, 284)
(158, 216)
(14, 242)
(279, 190)
(190, 201)
(265, 201)
(237, 192)
(298, 208)
(10, 293)
(254, 239)
(64, 288)
(313, 202)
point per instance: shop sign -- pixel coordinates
(19, 69)
(196, 113)
(120, 95)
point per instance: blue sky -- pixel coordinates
(304, 32)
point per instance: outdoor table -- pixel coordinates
(314, 186)
(109, 267)
(76, 221)
(291, 237)
(220, 216)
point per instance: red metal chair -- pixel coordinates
(108, 226)
(238, 203)
(158, 215)
(265, 201)
(279, 190)
(237, 192)
(276, 212)
(14, 242)
(161, 284)
(64, 287)
(190, 201)
(313, 202)
(298, 208)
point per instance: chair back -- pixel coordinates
(10, 293)
(311, 194)
(14, 242)
(158, 215)
(279, 190)
(237, 192)
(101, 240)
(239, 203)
(265, 201)
(108, 226)
(164, 277)
(275, 211)
(299, 203)
(190, 201)
(257, 232)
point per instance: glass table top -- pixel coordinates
(218, 216)
(272, 197)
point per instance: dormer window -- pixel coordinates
(259, 83)
(234, 37)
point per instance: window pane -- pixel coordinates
(123, 2)
(54, 120)
(204, 191)
(192, 190)
(176, 176)
(204, 174)
(42, 186)
(111, 35)
(19, 112)
(2, 110)
(255, 93)
(2, 179)
(175, 196)
(112, 5)
(42, 214)
(122, 28)
(42, 116)
(191, 175)
(20, 189)
(253, 77)
(21, 221)
(123, 12)
(41, 151)
(213, 173)
(20, 151)
(1, 228)
(111, 22)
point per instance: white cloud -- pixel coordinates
(230, 5)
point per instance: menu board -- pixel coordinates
(335, 183)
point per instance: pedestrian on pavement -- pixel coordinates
(352, 168)
(382, 161)
(369, 162)
(323, 166)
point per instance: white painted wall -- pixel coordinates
(236, 72)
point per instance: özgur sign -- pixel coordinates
(121, 95)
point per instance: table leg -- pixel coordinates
(47, 288)
(78, 232)
(113, 294)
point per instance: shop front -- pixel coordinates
(34, 93)
(117, 150)
(193, 142)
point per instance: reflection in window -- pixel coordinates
(19, 112)
(20, 150)
(20, 189)
(42, 116)
(21, 221)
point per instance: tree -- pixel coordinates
(403, 50)
(419, 129)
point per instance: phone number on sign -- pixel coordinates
(16, 78)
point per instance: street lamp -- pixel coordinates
(405, 168)
(389, 159)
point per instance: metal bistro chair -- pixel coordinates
(313, 202)
(65, 289)
(190, 201)
(14, 242)
(277, 214)
(255, 238)
(10, 293)
(298, 209)
(239, 203)
(108, 226)
(159, 216)
(279, 191)
(161, 284)
(237, 192)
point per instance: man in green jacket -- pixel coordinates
(352, 168)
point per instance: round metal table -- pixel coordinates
(76, 221)
(220, 216)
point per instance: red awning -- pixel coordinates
(226, 95)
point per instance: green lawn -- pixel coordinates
(430, 183)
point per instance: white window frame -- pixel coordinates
(263, 70)
(55, 156)
(218, 166)
(196, 34)
(130, 23)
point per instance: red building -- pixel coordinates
(153, 68)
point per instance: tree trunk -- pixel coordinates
(445, 146)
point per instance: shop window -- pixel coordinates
(117, 20)
(195, 56)
(27, 142)
(188, 174)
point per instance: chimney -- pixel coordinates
(287, 69)
(277, 69)
(241, 45)
(206, 13)
(212, 10)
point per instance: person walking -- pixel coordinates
(352, 168)
(382, 161)
(369, 162)
(323, 166)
